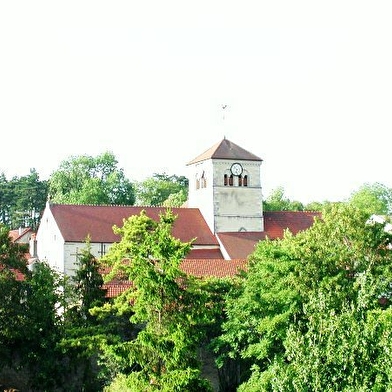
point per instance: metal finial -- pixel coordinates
(224, 106)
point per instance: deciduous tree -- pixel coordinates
(91, 180)
(22, 199)
(161, 189)
(373, 198)
(327, 287)
(166, 305)
(277, 201)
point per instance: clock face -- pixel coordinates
(236, 169)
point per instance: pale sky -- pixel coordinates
(308, 86)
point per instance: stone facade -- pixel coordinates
(229, 203)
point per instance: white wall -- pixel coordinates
(72, 251)
(202, 198)
(227, 208)
(50, 242)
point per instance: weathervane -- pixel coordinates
(224, 107)
(223, 111)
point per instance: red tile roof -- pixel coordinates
(19, 233)
(276, 222)
(200, 268)
(205, 254)
(18, 275)
(241, 244)
(226, 149)
(213, 268)
(77, 221)
(113, 289)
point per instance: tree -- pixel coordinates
(12, 293)
(339, 349)
(258, 312)
(307, 303)
(317, 205)
(277, 201)
(166, 304)
(161, 189)
(83, 332)
(373, 198)
(22, 199)
(43, 327)
(88, 282)
(176, 199)
(30, 321)
(5, 200)
(91, 180)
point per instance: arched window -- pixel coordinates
(245, 181)
(203, 182)
(240, 180)
(225, 180)
(231, 180)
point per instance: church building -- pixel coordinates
(225, 184)
(224, 214)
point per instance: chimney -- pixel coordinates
(33, 246)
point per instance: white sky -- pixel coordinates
(308, 86)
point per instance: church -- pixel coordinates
(224, 214)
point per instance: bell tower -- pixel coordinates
(225, 184)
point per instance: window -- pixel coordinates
(231, 180)
(102, 251)
(203, 181)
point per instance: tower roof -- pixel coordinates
(225, 149)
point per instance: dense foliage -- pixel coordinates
(84, 179)
(161, 189)
(314, 310)
(278, 201)
(49, 339)
(21, 200)
(373, 198)
(91, 180)
(30, 321)
(166, 304)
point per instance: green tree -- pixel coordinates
(30, 320)
(12, 255)
(161, 189)
(43, 327)
(277, 201)
(318, 205)
(340, 266)
(166, 304)
(91, 180)
(373, 198)
(258, 312)
(176, 199)
(83, 332)
(30, 196)
(22, 199)
(337, 349)
(6, 200)
(88, 283)
(12, 294)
